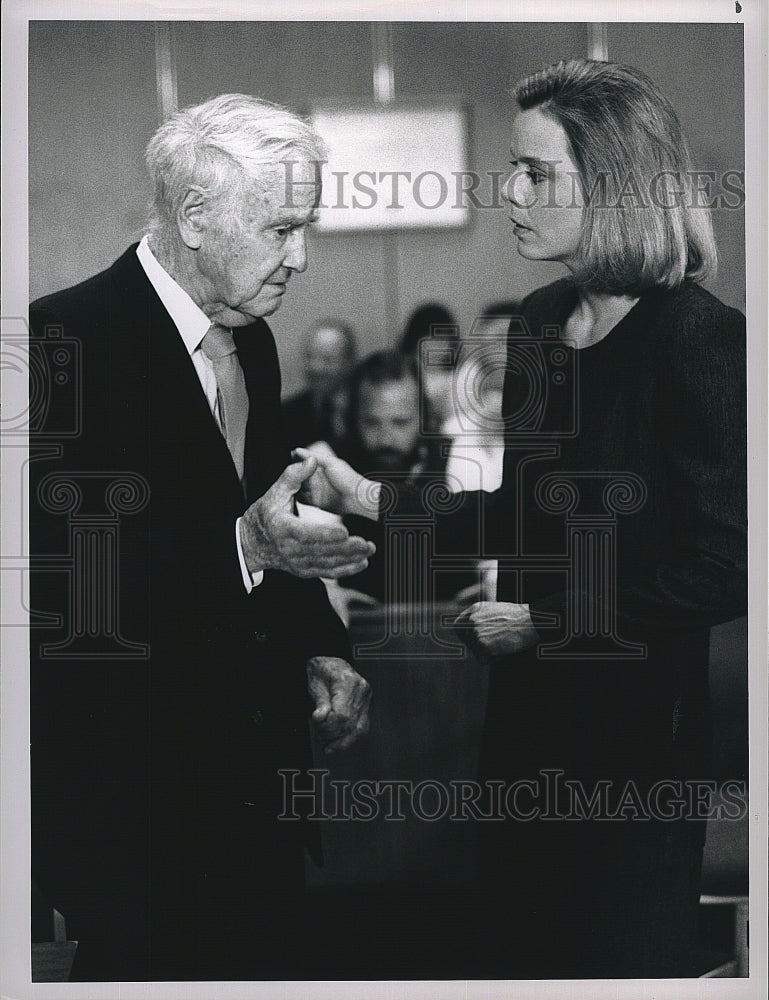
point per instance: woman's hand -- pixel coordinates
(345, 600)
(336, 486)
(491, 629)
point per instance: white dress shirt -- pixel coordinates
(192, 324)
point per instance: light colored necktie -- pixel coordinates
(218, 345)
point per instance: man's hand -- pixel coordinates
(336, 486)
(491, 629)
(342, 700)
(272, 536)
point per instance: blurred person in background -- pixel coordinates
(329, 351)
(476, 429)
(392, 434)
(386, 419)
(423, 324)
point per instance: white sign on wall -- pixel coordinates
(393, 168)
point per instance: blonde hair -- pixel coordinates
(220, 146)
(627, 143)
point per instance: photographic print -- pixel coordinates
(382, 450)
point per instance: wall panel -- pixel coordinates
(699, 68)
(93, 106)
(92, 109)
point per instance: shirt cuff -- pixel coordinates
(250, 580)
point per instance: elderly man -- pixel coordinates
(160, 734)
(318, 413)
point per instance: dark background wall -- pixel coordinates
(93, 107)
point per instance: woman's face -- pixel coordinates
(544, 192)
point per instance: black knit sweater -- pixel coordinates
(621, 522)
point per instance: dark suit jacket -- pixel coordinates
(302, 424)
(154, 775)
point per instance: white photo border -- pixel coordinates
(14, 686)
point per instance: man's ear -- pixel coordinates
(191, 218)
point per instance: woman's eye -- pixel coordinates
(534, 175)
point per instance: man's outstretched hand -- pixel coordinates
(341, 699)
(272, 536)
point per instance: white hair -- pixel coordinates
(219, 146)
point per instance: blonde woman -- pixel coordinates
(620, 529)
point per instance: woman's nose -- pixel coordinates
(519, 190)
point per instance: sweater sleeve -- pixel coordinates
(701, 429)
(472, 524)
(464, 525)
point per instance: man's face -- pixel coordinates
(326, 359)
(244, 268)
(388, 424)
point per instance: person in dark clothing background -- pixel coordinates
(390, 426)
(318, 412)
(620, 529)
(426, 322)
(390, 434)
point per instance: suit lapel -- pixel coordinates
(180, 416)
(265, 458)
(184, 431)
